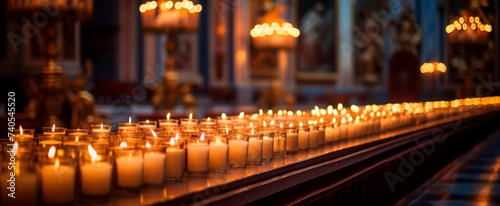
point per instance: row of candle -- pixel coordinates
(96, 162)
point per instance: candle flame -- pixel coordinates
(148, 145)
(261, 112)
(177, 136)
(123, 144)
(147, 120)
(266, 137)
(340, 106)
(343, 120)
(92, 153)
(52, 152)
(129, 119)
(208, 119)
(190, 115)
(299, 112)
(300, 124)
(321, 120)
(254, 116)
(217, 141)
(310, 122)
(223, 115)
(290, 113)
(290, 125)
(335, 112)
(280, 112)
(76, 139)
(153, 132)
(172, 141)
(269, 112)
(101, 126)
(281, 125)
(315, 122)
(272, 122)
(252, 131)
(344, 111)
(227, 130)
(20, 130)
(330, 109)
(334, 120)
(168, 115)
(354, 108)
(251, 124)
(264, 123)
(202, 136)
(242, 114)
(53, 128)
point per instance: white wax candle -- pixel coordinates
(238, 152)
(26, 190)
(267, 148)
(291, 142)
(303, 140)
(217, 156)
(313, 138)
(197, 157)
(321, 136)
(328, 134)
(279, 144)
(154, 167)
(58, 184)
(96, 178)
(129, 171)
(254, 150)
(174, 163)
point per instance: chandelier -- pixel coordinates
(431, 67)
(468, 30)
(161, 16)
(277, 35)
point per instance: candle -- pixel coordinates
(54, 130)
(254, 150)
(147, 125)
(238, 149)
(129, 167)
(313, 138)
(174, 160)
(303, 142)
(218, 155)
(292, 140)
(58, 182)
(23, 133)
(168, 123)
(154, 165)
(100, 128)
(267, 148)
(328, 134)
(96, 175)
(197, 152)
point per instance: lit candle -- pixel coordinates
(218, 155)
(254, 148)
(96, 175)
(313, 135)
(329, 132)
(238, 148)
(101, 128)
(321, 132)
(168, 123)
(223, 120)
(146, 125)
(292, 141)
(198, 152)
(174, 160)
(267, 148)
(58, 182)
(303, 137)
(129, 168)
(154, 165)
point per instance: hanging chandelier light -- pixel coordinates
(468, 29)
